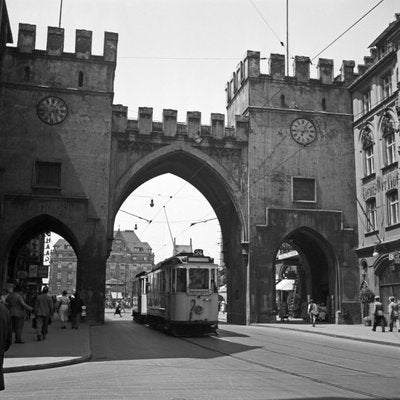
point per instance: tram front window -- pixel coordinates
(198, 278)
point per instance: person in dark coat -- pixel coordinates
(44, 309)
(75, 307)
(18, 308)
(5, 338)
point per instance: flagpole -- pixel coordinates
(287, 37)
(59, 20)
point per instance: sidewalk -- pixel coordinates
(352, 332)
(69, 346)
(61, 347)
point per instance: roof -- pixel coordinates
(389, 30)
(132, 241)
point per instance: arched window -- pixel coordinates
(389, 141)
(323, 104)
(392, 200)
(367, 142)
(282, 101)
(371, 214)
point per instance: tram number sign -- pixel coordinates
(395, 257)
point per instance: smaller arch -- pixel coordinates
(34, 227)
(323, 104)
(283, 101)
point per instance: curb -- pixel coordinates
(55, 364)
(339, 336)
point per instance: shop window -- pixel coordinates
(393, 207)
(371, 215)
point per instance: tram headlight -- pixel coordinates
(198, 310)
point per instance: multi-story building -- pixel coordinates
(128, 257)
(376, 105)
(62, 274)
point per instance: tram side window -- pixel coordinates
(181, 280)
(198, 278)
(214, 280)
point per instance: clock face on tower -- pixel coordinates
(52, 110)
(303, 131)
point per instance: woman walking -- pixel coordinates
(63, 308)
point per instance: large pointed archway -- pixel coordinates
(215, 184)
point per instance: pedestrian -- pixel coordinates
(283, 310)
(63, 308)
(313, 311)
(44, 309)
(4, 296)
(304, 312)
(118, 310)
(393, 310)
(379, 318)
(18, 308)
(75, 307)
(5, 338)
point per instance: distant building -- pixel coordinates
(128, 257)
(62, 273)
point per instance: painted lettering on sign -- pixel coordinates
(381, 184)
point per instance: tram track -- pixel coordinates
(343, 387)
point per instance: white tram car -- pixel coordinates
(179, 295)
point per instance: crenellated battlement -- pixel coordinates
(170, 127)
(249, 67)
(55, 43)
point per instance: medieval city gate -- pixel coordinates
(284, 164)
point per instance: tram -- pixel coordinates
(179, 295)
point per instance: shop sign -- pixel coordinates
(46, 250)
(381, 184)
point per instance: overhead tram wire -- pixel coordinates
(342, 34)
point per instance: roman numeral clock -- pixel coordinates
(303, 131)
(52, 110)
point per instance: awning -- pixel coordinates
(285, 284)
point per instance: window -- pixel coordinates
(371, 215)
(304, 189)
(393, 207)
(80, 79)
(323, 104)
(198, 278)
(387, 85)
(390, 149)
(369, 160)
(47, 174)
(367, 100)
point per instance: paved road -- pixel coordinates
(132, 361)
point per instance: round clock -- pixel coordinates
(52, 110)
(303, 131)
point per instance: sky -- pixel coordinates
(179, 54)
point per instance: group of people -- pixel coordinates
(43, 308)
(14, 310)
(379, 315)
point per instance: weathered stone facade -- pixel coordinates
(71, 176)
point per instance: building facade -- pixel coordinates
(376, 104)
(128, 257)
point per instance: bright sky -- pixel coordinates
(178, 54)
